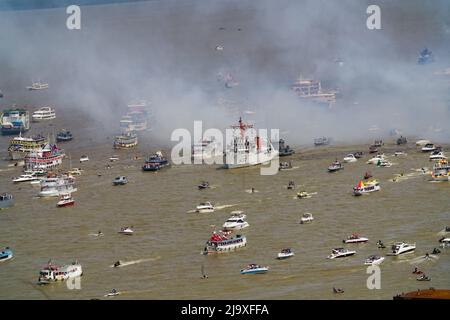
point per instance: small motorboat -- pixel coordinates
(120, 181)
(429, 147)
(291, 185)
(350, 158)
(113, 158)
(254, 269)
(445, 242)
(417, 271)
(285, 253)
(205, 207)
(84, 158)
(63, 136)
(335, 166)
(364, 187)
(401, 248)
(423, 277)
(303, 195)
(116, 264)
(373, 260)
(203, 185)
(25, 177)
(358, 154)
(126, 230)
(338, 290)
(65, 200)
(236, 221)
(437, 155)
(6, 200)
(6, 254)
(112, 293)
(285, 165)
(75, 171)
(306, 218)
(375, 159)
(355, 238)
(373, 149)
(384, 163)
(340, 253)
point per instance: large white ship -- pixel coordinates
(311, 90)
(247, 148)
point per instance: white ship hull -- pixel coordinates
(240, 160)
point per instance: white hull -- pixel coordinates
(241, 160)
(235, 226)
(374, 262)
(56, 192)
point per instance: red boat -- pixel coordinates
(66, 200)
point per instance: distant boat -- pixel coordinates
(155, 162)
(38, 86)
(15, 121)
(6, 200)
(6, 254)
(53, 273)
(44, 113)
(322, 141)
(120, 181)
(64, 135)
(425, 57)
(254, 269)
(66, 200)
(284, 150)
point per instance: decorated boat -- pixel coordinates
(155, 162)
(44, 113)
(221, 243)
(125, 141)
(47, 157)
(20, 146)
(52, 273)
(15, 121)
(366, 187)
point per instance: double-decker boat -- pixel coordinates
(52, 273)
(311, 90)
(47, 157)
(155, 162)
(220, 243)
(15, 121)
(38, 86)
(21, 146)
(247, 148)
(44, 113)
(125, 141)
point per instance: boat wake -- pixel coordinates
(251, 191)
(129, 263)
(225, 206)
(422, 259)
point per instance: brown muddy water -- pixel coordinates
(165, 249)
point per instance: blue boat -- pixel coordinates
(254, 269)
(155, 162)
(15, 121)
(6, 254)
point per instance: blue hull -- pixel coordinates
(13, 131)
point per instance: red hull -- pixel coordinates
(66, 204)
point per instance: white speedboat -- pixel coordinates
(355, 238)
(437, 155)
(113, 158)
(112, 293)
(65, 200)
(25, 177)
(254, 269)
(400, 248)
(75, 171)
(350, 158)
(445, 242)
(306, 217)
(335, 166)
(84, 158)
(205, 207)
(236, 222)
(384, 163)
(373, 260)
(285, 253)
(44, 113)
(428, 147)
(376, 159)
(126, 230)
(340, 253)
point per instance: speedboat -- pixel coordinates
(376, 159)
(126, 230)
(203, 185)
(428, 147)
(285, 165)
(75, 171)
(303, 195)
(384, 163)
(355, 238)
(236, 221)
(84, 158)
(254, 269)
(366, 187)
(205, 207)
(25, 177)
(400, 248)
(335, 166)
(285, 253)
(112, 293)
(423, 277)
(445, 242)
(6, 254)
(340, 253)
(358, 154)
(66, 200)
(306, 217)
(350, 158)
(53, 273)
(120, 181)
(437, 155)
(113, 158)
(373, 260)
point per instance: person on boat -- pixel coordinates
(436, 251)
(99, 233)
